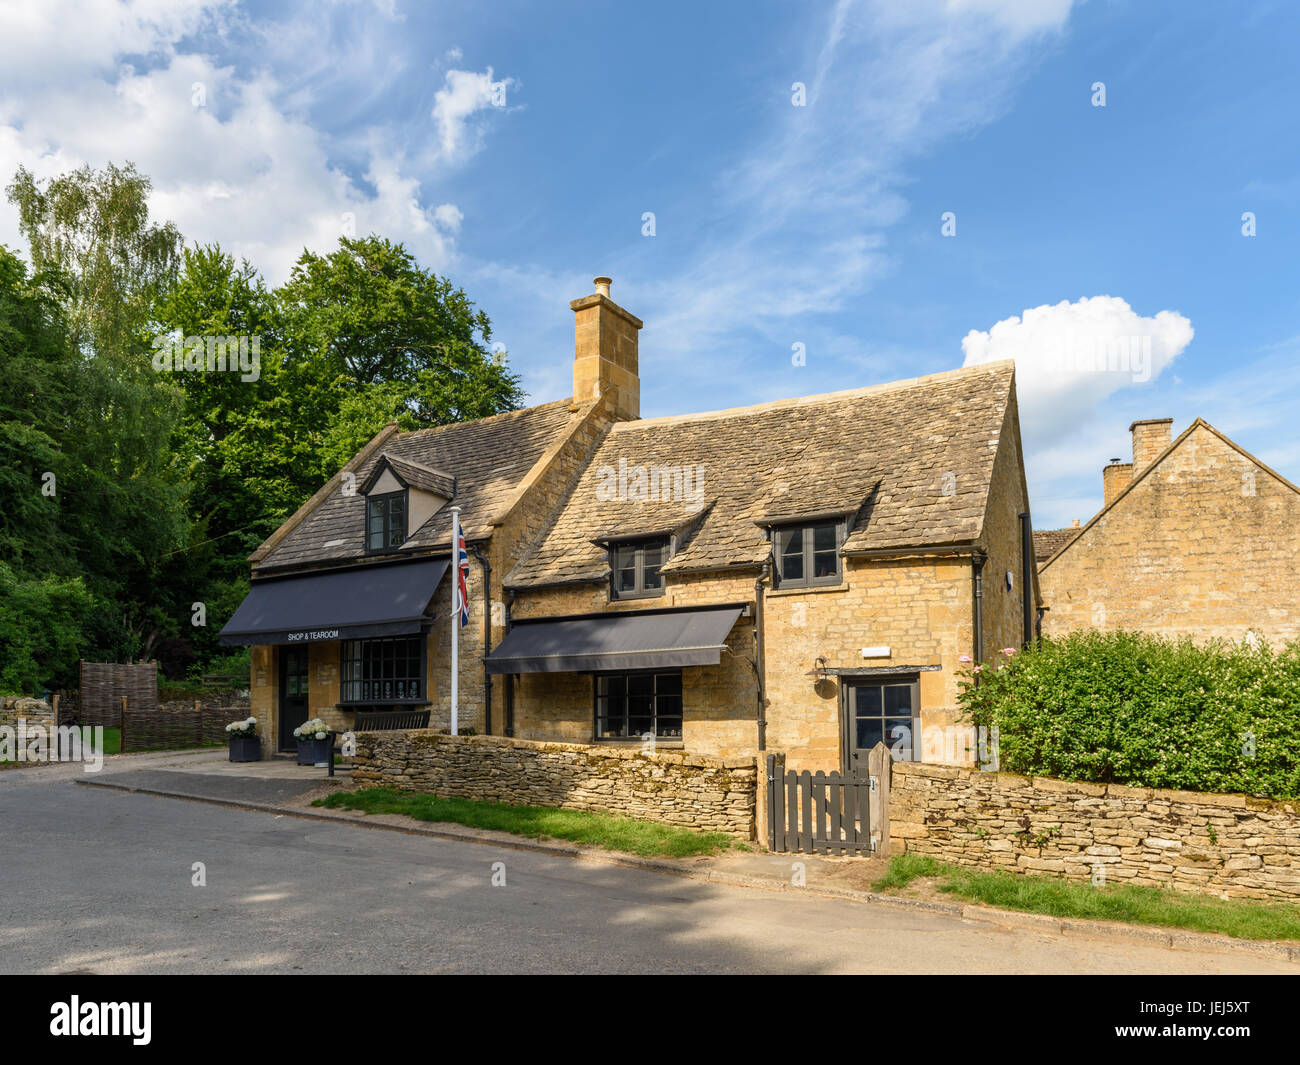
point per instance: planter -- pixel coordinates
(315, 752)
(245, 748)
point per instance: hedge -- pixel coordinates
(1134, 708)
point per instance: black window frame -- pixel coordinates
(389, 524)
(808, 554)
(638, 548)
(415, 652)
(614, 679)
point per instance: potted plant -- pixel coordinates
(315, 745)
(245, 743)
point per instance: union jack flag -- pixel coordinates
(462, 575)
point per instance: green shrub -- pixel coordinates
(1133, 708)
(42, 621)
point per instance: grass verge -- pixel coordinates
(1242, 918)
(645, 838)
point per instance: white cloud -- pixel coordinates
(1072, 356)
(1084, 370)
(464, 94)
(249, 169)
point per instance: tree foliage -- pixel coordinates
(132, 488)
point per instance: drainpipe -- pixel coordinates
(1027, 575)
(511, 678)
(759, 664)
(487, 637)
(977, 560)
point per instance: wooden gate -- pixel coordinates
(829, 813)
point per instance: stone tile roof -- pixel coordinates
(1049, 541)
(912, 460)
(489, 458)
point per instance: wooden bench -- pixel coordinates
(386, 720)
(380, 721)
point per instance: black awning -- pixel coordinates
(650, 640)
(382, 600)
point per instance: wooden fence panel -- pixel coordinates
(105, 684)
(166, 728)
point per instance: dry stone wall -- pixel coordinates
(688, 791)
(1226, 845)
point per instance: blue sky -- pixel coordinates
(516, 147)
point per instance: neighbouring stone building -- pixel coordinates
(805, 575)
(1195, 536)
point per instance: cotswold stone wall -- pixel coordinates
(1227, 845)
(35, 711)
(706, 794)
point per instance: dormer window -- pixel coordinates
(401, 496)
(635, 568)
(806, 556)
(385, 521)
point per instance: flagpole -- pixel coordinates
(455, 616)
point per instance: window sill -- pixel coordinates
(812, 589)
(671, 745)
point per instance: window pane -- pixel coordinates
(790, 541)
(870, 732)
(792, 567)
(641, 684)
(898, 700)
(825, 564)
(668, 683)
(823, 537)
(868, 699)
(652, 579)
(627, 580)
(626, 557)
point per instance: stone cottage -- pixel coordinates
(809, 575)
(1195, 537)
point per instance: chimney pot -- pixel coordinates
(602, 284)
(1076, 524)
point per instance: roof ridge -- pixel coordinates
(821, 397)
(486, 418)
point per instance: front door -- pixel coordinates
(293, 694)
(884, 710)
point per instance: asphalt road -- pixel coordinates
(101, 881)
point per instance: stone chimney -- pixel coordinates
(605, 351)
(1115, 477)
(1150, 437)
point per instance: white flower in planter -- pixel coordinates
(321, 735)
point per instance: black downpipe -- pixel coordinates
(977, 560)
(759, 663)
(487, 637)
(1027, 575)
(512, 679)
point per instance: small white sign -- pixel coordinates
(875, 652)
